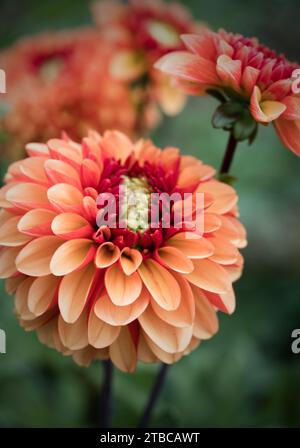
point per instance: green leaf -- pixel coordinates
(245, 127)
(226, 115)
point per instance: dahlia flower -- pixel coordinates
(126, 293)
(61, 81)
(145, 31)
(252, 81)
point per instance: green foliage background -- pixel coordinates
(247, 375)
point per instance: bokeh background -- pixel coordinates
(247, 376)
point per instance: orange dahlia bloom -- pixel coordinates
(244, 72)
(119, 293)
(61, 81)
(145, 31)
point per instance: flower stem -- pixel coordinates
(229, 154)
(106, 396)
(154, 396)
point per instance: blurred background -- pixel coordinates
(247, 375)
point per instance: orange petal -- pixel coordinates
(8, 261)
(74, 336)
(37, 222)
(206, 322)
(60, 172)
(65, 151)
(168, 338)
(106, 255)
(130, 260)
(191, 247)
(120, 315)
(122, 289)
(289, 134)
(161, 355)
(224, 196)
(229, 71)
(224, 302)
(72, 255)
(224, 251)
(21, 302)
(210, 276)
(70, 226)
(74, 291)
(292, 111)
(201, 44)
(175, 259)
(42, 293)
(35, 258)
(28, 196)
(188, 66)
(249, 79)
(123, 352)
(161, 284)
(37, 150)
(265, 111)
(10, 235)
(100, 333)
(185, 313)
(65, 198)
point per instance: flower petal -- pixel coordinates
(66, 198)
(74, 336)
(174, 259)
(191, 247)
(42, 294)
(72, 255)
(229, 71)
(10, 235)
(169, 338)
(130, 260)
(70, 226)
(106, 255)
(100, 333)
(74, 291)
(28, 196)
(189, 67)
(37, 222)
(123, 352)
(289, 134)
(209, 276)
(112, 314)
(206, 322)
(265, 111)
(185, 313)
(122, 289)
(161, 284)
(34, 259)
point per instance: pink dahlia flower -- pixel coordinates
(61, 81)
(243, 71)
(145, 31)
(123, 293)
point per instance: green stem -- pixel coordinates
(229, 154)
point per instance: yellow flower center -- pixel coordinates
(135, 199)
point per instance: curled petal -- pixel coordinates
(174, 259)
(130, 260)
(265, 111)
(106, 255)
(209, 276)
